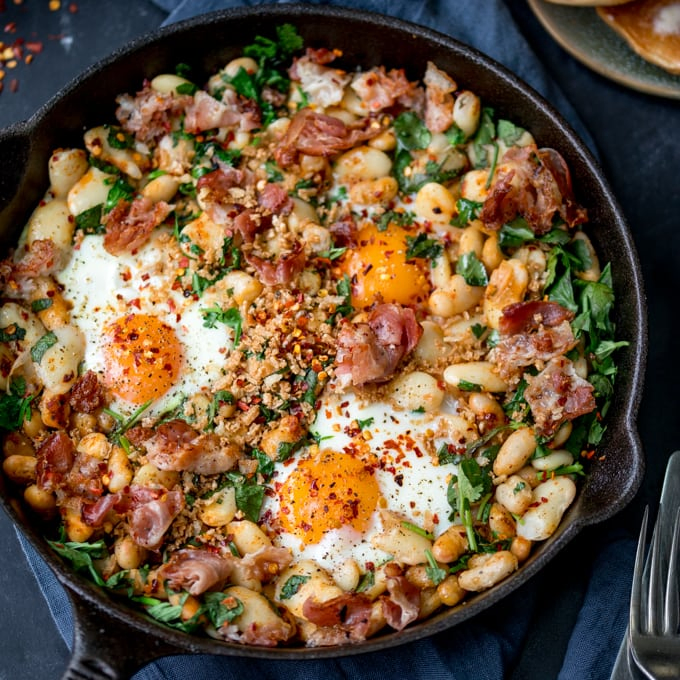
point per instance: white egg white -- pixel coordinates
(411, 483)
(103, 288)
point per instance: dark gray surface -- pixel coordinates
(637, 136)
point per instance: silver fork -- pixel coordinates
(655, 600)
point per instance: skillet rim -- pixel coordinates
(635, 358)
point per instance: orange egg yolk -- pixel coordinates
(380, 271)
(329, 491)
(143, 358)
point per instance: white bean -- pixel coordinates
(466, 112)
(406, 546)
(221, 508)
(90, 190)
(12, 313)
(52, 221)
(247, 536)
(507, 285)
(455, 298)
(120, 471)
(66, 167)
(244, 288)
(552, 498)
(553, 460)
(515, 452)
(362, 163)
(487, 569)
(248, 64)
(347, 575)
(431, 344)
(314, 582)
(416, 390)
(473, 185)
(514, 494)
(161, 188)
(593, 272)
(302, 214)
(316, 238)
(471, 241)
(204, 233)
(126, 160)
(374, 191)
(58, 366)
(20, 469)
(149, 475)
(167, 83)
(435, 203)
(257, 612)
(477, 373)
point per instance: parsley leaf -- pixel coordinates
(15, 406)
(12, 332)
(411, 132)
(90, 221)
(292, 585)
(421, 246)
(508, 132)
(229, 317)
(119, 191)
(38, 350)
(221, 608)
(434, 572)
(467, 211)
(41, 304)
(472, 269)
(81, 555)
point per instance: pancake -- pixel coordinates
(651, 28)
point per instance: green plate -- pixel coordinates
(581, 32)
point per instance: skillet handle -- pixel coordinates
(105, 648)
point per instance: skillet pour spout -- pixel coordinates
(111, 639)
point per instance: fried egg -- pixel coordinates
(381, 270)
(144, 338)
(370, 458)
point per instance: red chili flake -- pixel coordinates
(73, 8)
(544, 499)
(11, 27)
(34, 46)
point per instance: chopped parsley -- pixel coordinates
(11, 333)
(229, 317)
(38, 350)
(472, 269)
(15, 405)
(292, 585)
(41, 304)
(90, 221)
(421, 246)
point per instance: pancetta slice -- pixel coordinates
(402, 604)
(557, 394)
(129, 225)
(533, 184)
(531, 332)
(317, 134)
(175, 445)
(196, 570)
(370, 352)
(149, 521)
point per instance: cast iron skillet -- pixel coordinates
(111, 639)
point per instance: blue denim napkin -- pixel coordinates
(488, 646)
